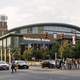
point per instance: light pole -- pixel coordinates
(62, 39)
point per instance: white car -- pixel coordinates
(21, 64)
(4, 65)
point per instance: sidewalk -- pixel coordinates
(34, 63)
(38, 68)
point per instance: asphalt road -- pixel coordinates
(40, 75)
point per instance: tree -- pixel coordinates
(45, 53)
(65, 49)
(54, 49)
(69, 51)
(37, 53)
(76, 50)
(15, 53)
(27, 54)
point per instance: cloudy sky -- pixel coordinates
(23, 12)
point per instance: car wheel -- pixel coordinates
(7, 68)
(42, 66)
(27, 67)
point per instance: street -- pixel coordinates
(43, 74)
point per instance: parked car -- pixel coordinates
(48, 63)
(21, 64)
(52, 63)
(4, 65)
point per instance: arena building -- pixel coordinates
(37, 36)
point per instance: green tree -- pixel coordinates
(37, 53)
(46, 53)
(76, 50)
(15, 53)
(65, 49)
(54, 49)
(69, 51)
(27, 54)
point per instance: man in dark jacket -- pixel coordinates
(13, 66)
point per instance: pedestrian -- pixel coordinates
(13, 66)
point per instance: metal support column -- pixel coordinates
(5, 55)
(9, 57)
(1, 54)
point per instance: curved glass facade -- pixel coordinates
(49, 29)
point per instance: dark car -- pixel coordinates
(48, 64)
(21, 64)
(4, 65)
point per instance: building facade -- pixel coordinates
(3, 25)
(37, 36)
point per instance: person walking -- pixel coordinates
(13, 66)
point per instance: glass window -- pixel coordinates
(57, 29)
(40, 29)
(0, 43)
(23, 31)
(29, 30)
(4, 42)
(15, 41)
(35, 30)
(8, 41)
(0, 33)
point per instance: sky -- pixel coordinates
(24, 12)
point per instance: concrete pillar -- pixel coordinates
(1, 54)
(9, 57)
(43, 45)
(5, 55)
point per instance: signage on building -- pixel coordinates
(55, 36)
(36, 39)
(74, 39)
